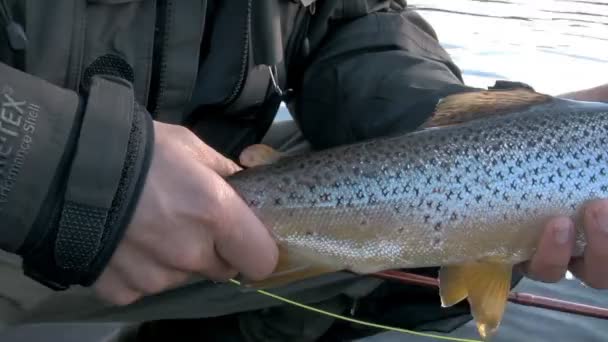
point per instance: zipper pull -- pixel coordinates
(17, 38)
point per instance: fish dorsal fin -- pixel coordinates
(291, 267)
(486, 285)
(464, 107)
(258, 155)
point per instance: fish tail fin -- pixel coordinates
(486, 285)
(290, 268)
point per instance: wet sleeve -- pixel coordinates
(71, 169)
(376, 75)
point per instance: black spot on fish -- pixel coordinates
(577, 186)
(325, 197)
(401, 230)
(360, 194)
(437, 227)
(364, 222)
(436, 241)
(454, 216)
(372, 199)
(339, 200)
(278, 201)
(524, 197)
(308, 233)
(539, 196)
(599, 158)
(427, 218)
(593, 179)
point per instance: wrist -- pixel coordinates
(77, 237)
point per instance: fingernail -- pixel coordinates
(602, 220)
(562, 231)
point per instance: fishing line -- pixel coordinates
(353, 320)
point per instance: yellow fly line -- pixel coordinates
(352, 320)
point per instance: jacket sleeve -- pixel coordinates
(373, 75)
(71, 169)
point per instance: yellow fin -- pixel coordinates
(259, 154)
(452, 285)
(459, 108)
(290, 268)
(487, 285)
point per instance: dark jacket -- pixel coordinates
(82, 80)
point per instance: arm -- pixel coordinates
(68, 191)
(91, 188)
(379, 74)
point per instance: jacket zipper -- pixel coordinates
(236, 90)
(157, 80)
(17, 38)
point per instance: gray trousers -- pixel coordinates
(32, 312)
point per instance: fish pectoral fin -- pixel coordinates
(290, 268)
(259, 154)
(452, 285)
(488, 286)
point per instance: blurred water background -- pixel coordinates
(556, 46)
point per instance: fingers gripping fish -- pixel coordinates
(468, 192)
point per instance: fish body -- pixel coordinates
(474, 193)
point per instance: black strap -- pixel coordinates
(95, 173)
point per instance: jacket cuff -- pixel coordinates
(100, 193)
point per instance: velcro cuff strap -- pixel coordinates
(95, 173)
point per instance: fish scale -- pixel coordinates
(437, 196)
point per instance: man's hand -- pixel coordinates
(188, 222)
(554, 255)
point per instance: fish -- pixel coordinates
(468, 191)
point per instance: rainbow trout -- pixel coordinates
(469, 193)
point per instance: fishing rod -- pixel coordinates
(525, 299)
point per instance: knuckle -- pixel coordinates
(122, 298)
(155, 282)
(189, 258)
